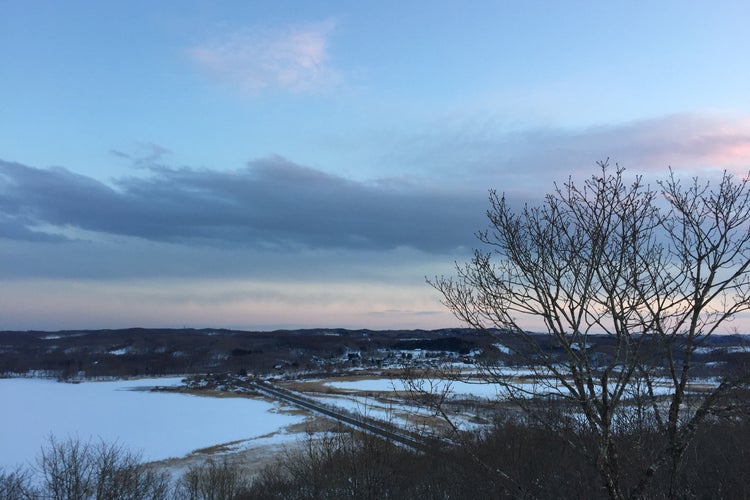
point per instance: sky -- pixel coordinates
(298, 164)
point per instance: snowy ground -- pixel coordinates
(160, 424)
(457, 388)
(479, 389)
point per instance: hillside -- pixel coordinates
(144, 352)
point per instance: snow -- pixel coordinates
(502, 348)
(364, 406)
(720, 349)
(159, 424)
(482, 390)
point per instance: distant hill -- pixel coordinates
(159, 351)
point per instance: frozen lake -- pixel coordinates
(159, 424)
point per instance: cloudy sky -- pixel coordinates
(283, 164)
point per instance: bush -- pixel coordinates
(515, 459)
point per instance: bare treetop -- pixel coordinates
(658, 271)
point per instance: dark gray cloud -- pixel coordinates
(16, 228)
(272, 203)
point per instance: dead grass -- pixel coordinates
(251, 455)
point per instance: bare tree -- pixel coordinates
(67, 469)
(655, 271)
(72, 469)
(212, 480)
(16, 485)
(120, 474)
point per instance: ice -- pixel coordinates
(160, 424)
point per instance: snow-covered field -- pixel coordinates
(479, 389)
(159, 424)
(458, 388)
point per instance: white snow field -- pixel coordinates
(159, 424)
(480, 390)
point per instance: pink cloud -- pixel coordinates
(293, 58)
(527, 162)
(726, 145)
(686, 141)
(694, 144)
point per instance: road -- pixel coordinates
(359, 422)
